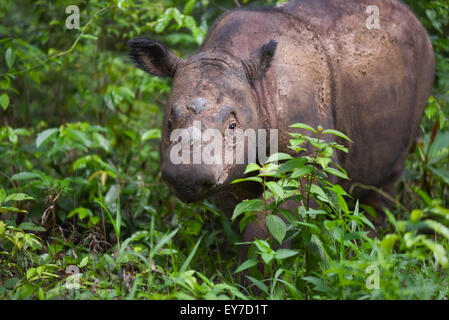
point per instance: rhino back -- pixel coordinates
(297, 87)
(330, 69)
(382, 79)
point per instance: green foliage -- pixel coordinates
(434, 14)
(331, 255)
(82, 202)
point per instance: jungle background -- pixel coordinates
(85, 215)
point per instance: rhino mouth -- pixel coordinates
(192, 183)
(189, 195)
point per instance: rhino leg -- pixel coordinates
(381, 198)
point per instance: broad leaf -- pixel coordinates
(276, 189)
(253, 205)
(285, 253)
(337, 133)
(303, 126)
(277, 227)
(246, 265)
(44, 136)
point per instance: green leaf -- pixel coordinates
(94, 220)
(319, 284)
(30, 273)
(342, 203)
(253, 205)
(315, 212)
(388, 243)
(340, 191)
(18, 197)
(416, 215)
(440, 211)
(263, 246)
(290, 216)
(111, 219)
(151, 134)
(309, 225)
(2, 195)
(84, 262)
(255, 179)
(277, 227)
(80, 136)
(186, 263)
(10, 57)
(29, 226)
(438, 251)
(81, 212)
(251, 167)
(101, 141)
(337, 173)
(188, 7)
(12, 136)
(41, 294)
(246, 265)
(279, 157)
(441, 173)
(364, 220)
(337, 133)
(248, 218)
(340, 147)
(25, 176)
(89, 36)
(300, 172)
(319, 192)
(267, 257)
(438, 227)
(11, 283)
(12, 209)
(4, 101)
(183, 21)
(44, 136)
(259, 284)
(94, 159)
(285, 253)
(269, 170)
(323, 162)
(303, 126)
(112, 197)
(292, 165)
(276, 189)
(349, 236)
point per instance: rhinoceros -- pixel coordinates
(363, 67)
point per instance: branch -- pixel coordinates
(60, 54)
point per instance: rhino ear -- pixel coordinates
(153, 57)
(260, 61)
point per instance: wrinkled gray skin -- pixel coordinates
(309, 61)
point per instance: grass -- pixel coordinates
(188, 251)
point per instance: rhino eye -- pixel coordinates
(232, 126)
(169, 123)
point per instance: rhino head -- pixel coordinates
(211, 103)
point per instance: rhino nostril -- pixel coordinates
(189, 182)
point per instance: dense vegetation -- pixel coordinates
(84, 214)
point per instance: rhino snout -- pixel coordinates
(190, 182)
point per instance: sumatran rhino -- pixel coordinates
(319, 62)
